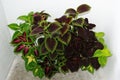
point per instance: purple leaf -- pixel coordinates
(71, 12)
(64, 29)
(83, 8)
(51, 44)
(37, 30)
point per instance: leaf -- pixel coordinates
(65, 39)
(102, 61)
(25, 27)
(78, 22)
(51, 44)
(99, 34)
(16, 34)
(54, 27)
(102, 53)
(38, 71)
(14, 26)
(64, 29)
(37, 30)
(42, 49)
(23, 18)
(83, 8)
(90, 69)
(71, 12)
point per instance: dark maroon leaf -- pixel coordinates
(64, 29)
(19, 48)
(54, 27)
(51, 44)
(37, 30)
(78, 22)
(94, 62)
(36, 18)
(40, 41)
(17, 40)
(36, 52)
(83, 8)
(65, 39)
(64, 19)
(64, 68)
(53, 56)
(43, 49)
(60, 47)
(25, 51)
(91, 26)
(71, 12)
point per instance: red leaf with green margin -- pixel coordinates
(65, 39)
(54, 27)
(64, 29)
(83, 8)
(37, 30)
(51, 44)
(64, 19)
(43, 49)
(71, 12)
(26, 50)
(78, 22)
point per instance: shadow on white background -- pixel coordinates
(104, 14)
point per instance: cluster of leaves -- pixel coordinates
(66, 44)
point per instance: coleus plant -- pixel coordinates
(67, 44)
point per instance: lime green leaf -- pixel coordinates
(101, 40)
(99, 34)
(51, 44)
(16, 34)
(23, 18)
(90, 69)
(38, 71)
(102, 61)
(101, 53)
(31, 58)
(83, 68)
(25, 27)
(14, 26)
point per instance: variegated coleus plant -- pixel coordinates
(67, 44)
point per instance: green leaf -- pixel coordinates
(51, 44)
(90, 69)
(65, 39)
(83, 68)
(102, 53)
(14, 26)
(38, 71)
(83, 8)
(99, 34)
(23, 18)
(16, 34)
(25, 27)
(102, 61)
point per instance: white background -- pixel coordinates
(104, 13)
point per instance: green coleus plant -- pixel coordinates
(67, 44)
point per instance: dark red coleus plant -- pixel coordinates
(67, 44)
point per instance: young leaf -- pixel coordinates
(51, 44)
(38, 71)
(14, 26)
(65, 39)
(90, 69)
(54, 27)
(25, 27)
(102, 61)
(102, 53)
(99, 34)
(83, 8)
